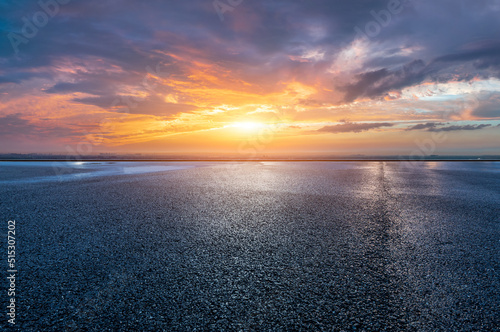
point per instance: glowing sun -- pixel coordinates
(247, 126)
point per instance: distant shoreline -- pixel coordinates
(249, 160)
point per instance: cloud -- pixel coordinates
(353, 127)
(91, 87)
(421, 126)
(256, 40)
(299, 54)
(439, 127)
(484, 55)
(487, 111)
(488, 106)
(14, 126)
(152, 105)
(4, 80)
(459, 128)
(376, 83)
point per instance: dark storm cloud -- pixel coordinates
(353, 127)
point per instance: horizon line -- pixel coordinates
(249, 160)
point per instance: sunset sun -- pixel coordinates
(248, 126)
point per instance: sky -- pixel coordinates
(250, 77)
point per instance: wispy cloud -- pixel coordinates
(438, 127)
(353, 127)
(423, 126)
(459, 128)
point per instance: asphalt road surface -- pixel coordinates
(302, 246)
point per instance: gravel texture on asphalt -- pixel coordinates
(298, 246)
